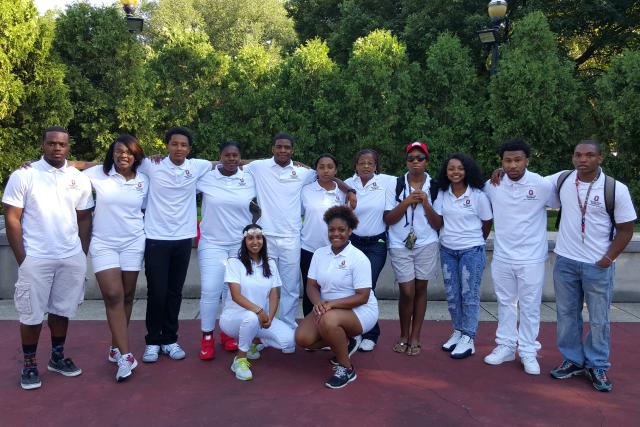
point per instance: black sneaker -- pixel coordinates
(341, 377)
(30, 378)
(567, 369)
(65, 367)
(354, 344)
(598, 377)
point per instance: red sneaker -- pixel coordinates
(228, 343)
(207, 351)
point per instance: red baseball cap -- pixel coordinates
(417, 144)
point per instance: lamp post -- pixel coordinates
(497, 10)
(134, 23)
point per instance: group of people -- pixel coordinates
(269, 226)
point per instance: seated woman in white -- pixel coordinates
(339, 287)
(248, 316)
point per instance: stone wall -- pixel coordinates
(626, 287)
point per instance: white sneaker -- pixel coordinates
(289, 350)
(240, 367)
(500, 354)
(367, 345)
(452, 341)
(114, 354)
(464, 348)
(174, 351)
(530, 364)
(150, 353)
(126, 365)
(253, 353)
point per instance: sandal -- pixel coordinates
(400, 347)
(414, 350)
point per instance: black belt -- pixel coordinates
(368, 239)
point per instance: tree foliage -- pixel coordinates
(229, 24)
(535, 95)
(369, 74)
(36, 96)
(618, 105)
(104, 68)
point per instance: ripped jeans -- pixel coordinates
(462, 274)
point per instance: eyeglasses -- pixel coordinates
(416, 158)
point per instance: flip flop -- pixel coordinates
(400, 347)
(414, 349)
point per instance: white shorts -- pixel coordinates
(126, 258)
(418, 263)
(367, 314)
(53, 286)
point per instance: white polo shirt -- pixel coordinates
(171, 202)
(462, 216)
(225, 206)
(118, 219)
(254, 287)
(340, 275)
(278, 189)
(569, 242)
(371, 203)
(520, 218)
(49, 198)
(398, 231)
(315, 202)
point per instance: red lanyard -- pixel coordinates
(583, 206)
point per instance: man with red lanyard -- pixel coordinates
(584, 268)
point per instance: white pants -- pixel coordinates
(246, 326)
(286, 252)
(213, 261)
(518, 284)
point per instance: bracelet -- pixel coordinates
(610, 260)
(259, 310)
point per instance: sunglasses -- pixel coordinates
(416, 158)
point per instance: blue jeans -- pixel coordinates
(462, 274)
(574, 282)
(375, 248)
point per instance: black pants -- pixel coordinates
(375, 248)
(305, 263)
(166, 264)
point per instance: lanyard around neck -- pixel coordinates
(413, 208)
(583, 206)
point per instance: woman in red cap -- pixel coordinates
(413, 243)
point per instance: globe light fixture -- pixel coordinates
(497, 11)
(134, 23)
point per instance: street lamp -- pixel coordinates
(497, 10)
(134, 23)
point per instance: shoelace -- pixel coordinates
(341, 371)
(499, 349)
(600, 374)
(244, 363)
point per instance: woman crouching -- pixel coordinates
(248, 316)
(339, 287)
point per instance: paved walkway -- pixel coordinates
(436, 310)
(287, 390)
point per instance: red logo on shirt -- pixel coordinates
(343, 264)
(187, 173)
(242, 181)
(73, 185)
(293, 173)
(596, 198)
(139, 186)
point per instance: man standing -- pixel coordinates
(48, 222)
(585, 255)
(520, 252)
(278, 187)
(170, 224)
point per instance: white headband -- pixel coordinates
(253, 232)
